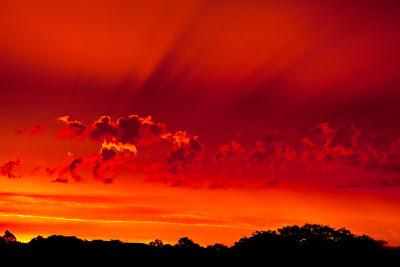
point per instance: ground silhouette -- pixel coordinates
(310, 244)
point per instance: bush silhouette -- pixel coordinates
(156, 243)
(187, 243)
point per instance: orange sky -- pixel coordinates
(263, 114)
(137, 212)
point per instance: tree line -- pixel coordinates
(311, 244)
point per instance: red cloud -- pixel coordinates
(103, 128)
(185, 149)
(72, 168)
(122, 136)
(66, 170)
(7, 169)
(131, 129)
(36, 130)
(99, 172)
(323, 151)
(127, 130)
(60, 180)
(344, 153)
(229, 151)
(73, 128)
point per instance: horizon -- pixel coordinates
(211, 120)
(384, 243)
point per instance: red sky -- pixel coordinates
(263, 114)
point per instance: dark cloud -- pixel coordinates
(126, 130)
(393, 156)
(73, 128)
(229, 151)
(113, 158)
(343, 136)
(327, 143)
(7, 169)
(131, 129)
(103, 128)
(104, 166)
(107, 153)
(72, 168)
(185, 149)
(324, 150)
(273, 147)
(60, 180)
(100, 171)
(35, 130)
(121, 136)
(66, 170)
(388, 161)
(377, 182)
(50, 171)
(346, 154)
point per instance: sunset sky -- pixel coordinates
(137, 120)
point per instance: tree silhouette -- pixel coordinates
(311, 244)
(156, 243)
(187, 243)
(218, 247)
(9, 237)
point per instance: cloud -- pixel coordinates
(326, 154)
(326, 150)
(60, 180)
(266, 149)
(103, 128)
(387, 161)
(343, 136)
(104, 165)
(124, 135)
(130, 129)
(35, 130)
(327, 143)
(108, 153)
(341, 142)
(72, 168)
(232, 160)
(133, 127)
(69, 170)
(7, 169)
(371, 183)
(100, 172)
(185, 150)
(230, 151)
(110, 149)
(73, 128)
(66, 170)
(113, 157)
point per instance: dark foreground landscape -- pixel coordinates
(294, 245)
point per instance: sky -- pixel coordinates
(137, 120)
